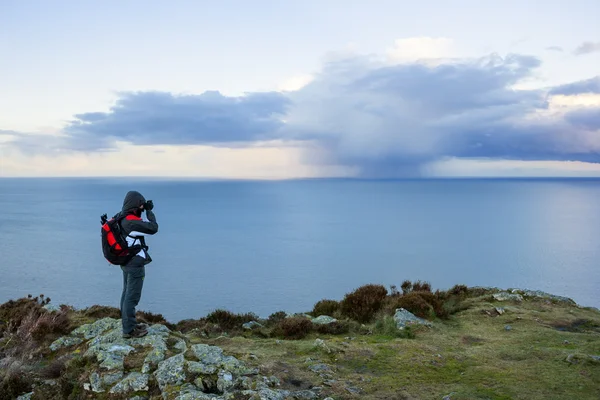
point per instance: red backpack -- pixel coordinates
(114, 246)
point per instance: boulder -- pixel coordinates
(404, 318)
(134, 382)
(251, 325)
(65, 341)
(89, 331)
(170, 371)
(324, 320)
(505, 296)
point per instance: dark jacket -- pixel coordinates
(135, 227)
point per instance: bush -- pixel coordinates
(187, 325)
(13, 312)
(406, 286)
(416, 304)
(276, 318)
(150, 318)
(362, 304)
(294, 328)
(14, 381)
(228, 320)
(40, 323)
(325, 307)
(459, 290)
(334, 328)
(419, 286)
(96, 311)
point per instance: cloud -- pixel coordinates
(591, 85)
(555, 48)
(366, 115)
(587, 48)
(163, 118)
(420, 48)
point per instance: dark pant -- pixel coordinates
(133, 281)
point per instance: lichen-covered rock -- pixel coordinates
(304, 395)
(319, 368)
(89, 331)
(134, 382)
(195, 367)
(112, 362)
(65, 341)
(225, 381)
(189, 392)
(213, 358)
(26, 396)
(156, 355)
(324, 320)
(270, 394)
(251, 325)
(181, 346)
(111, 378)
(404, 318)
(505, 296)
(96, 382)
(171, 371)
(158, 330)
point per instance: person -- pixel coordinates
(135, 229)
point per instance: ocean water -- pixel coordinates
(269, 246)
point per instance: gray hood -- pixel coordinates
(132, 200)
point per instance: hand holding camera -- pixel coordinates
(148, 205)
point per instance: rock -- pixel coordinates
(213, 358)
(26, 396)
(304, 395)
(319, 368)
(353, 390)
(447, 397)
(269, 394)
(544, 295)
(570, 359)
(112, 377)
(89, 331)
(274, 381)
(86, 386)
(96, 382)
(595, 358)
(225, 381)
(500, 310)
(158, 330)
(405, 318)
(190, 392)
(65, 341)
(112, 361)
(505, 296)
(51, 307)
(195, 367)
(320, 343)
(134, 382)
(110, 355)
(251, 325)
(507, 327)
(138, 398)
(328, 398)
(330, 382)
(170, 371)
(155, 356)
(181, 346)
(323, 320)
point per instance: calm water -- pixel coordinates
(267, 246)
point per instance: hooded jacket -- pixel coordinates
(134, 226)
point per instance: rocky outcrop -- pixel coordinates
(181, 371)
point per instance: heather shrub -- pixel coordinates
(228, 320)
(40, 323)
(14, 379)
(98, 312)
(406, 286)
(294, 328)
(459, 290)
(362, 304)
(419, 286)
(276, 317)
(417, 303)
(325, 307)
(150, 318)
(334, 328)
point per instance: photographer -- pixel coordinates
(136, 229)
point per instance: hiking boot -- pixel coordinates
(142, 326)
(135, 333)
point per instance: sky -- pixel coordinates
(295, 89)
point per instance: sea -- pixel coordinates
(266, 246)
